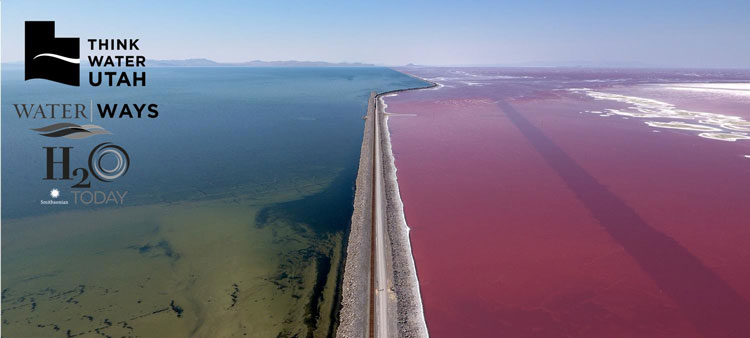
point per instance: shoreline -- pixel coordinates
(354, 290)
(410, 312)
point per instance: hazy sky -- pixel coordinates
(659, 33)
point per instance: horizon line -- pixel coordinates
(529, 64)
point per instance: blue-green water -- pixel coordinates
(239, 197)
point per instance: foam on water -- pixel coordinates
(681, 125)
(725, 136)
(712, 126)
(734, 89)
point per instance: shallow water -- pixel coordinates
(239, 198)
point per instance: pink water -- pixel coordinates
(532, 218)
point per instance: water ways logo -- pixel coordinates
(71, 130)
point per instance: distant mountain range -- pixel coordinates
(254, 63)
(293, 63)
(556, 64)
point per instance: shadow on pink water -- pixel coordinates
(710, 304)
(532, 219)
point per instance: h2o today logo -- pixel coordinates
(118, 163)
(96, 167)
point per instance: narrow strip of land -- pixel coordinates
(378, 302)
(379, 278)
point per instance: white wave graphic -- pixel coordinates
(60, 57)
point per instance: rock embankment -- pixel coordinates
(409, 312)
(353, 318)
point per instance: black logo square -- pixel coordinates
(51, 58)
